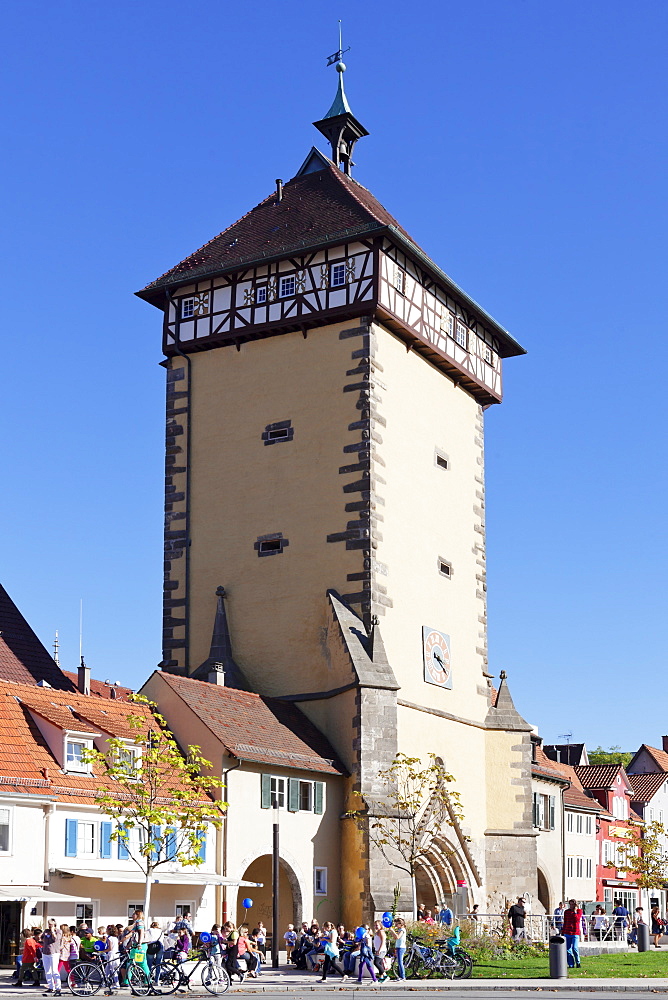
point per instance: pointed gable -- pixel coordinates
(23, 658)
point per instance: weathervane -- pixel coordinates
(340, 52)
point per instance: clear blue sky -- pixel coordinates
(523, 144)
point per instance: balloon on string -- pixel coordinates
(205, 937)
(247, 903)
(387, 919)
(100, 946)
(360, 933)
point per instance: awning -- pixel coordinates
(20, 893)
(159, 878)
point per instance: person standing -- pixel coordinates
(399, 932)
(445, 915)
(516, 915)
(572, 929)
(656, 929)
(155, 949)
(138, 941)
(366, 957)
(52, 942)
(558, 918)
(621, 915)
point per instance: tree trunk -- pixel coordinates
(147, 896)
(414, 892)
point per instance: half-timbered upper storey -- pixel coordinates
(318, 250)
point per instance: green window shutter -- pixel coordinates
(318, 796)
(535, 809)
(293, 795)
(552, 799)
(266, 791)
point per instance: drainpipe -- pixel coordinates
(563, 847)
(221, 897)
(49, 809)
(177, 348)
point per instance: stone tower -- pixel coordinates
(326, 385)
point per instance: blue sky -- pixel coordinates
(522, 144)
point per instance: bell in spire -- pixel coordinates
(339, 125)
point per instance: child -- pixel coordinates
(290, 938)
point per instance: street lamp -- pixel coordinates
(274, 886)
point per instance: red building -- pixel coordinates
(610, 786)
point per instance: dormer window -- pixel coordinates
(75, 751)
(129, 760)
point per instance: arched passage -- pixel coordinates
(437, 875)
(289, 891)
(544, 892)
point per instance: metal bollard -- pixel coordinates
(558, 962)
(643, 937)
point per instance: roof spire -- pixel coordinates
(219, 667)
(339, 125)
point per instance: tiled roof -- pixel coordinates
(543, 767)
(577, 799)
(23, 658)
(645, 786)
(101, 689)
(660, 756)
(256, 728)
(315, 209)
(597, 775)
(27, 765)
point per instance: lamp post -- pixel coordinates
(275, 887)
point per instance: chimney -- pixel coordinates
(83, 678)
(279, 189)
(664, 743)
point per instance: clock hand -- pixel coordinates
(438, 658)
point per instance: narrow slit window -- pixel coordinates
(270, 545)
(282, 430)
(337, 275)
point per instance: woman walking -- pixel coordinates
(657, 926)
(66, 949)
(52, 942)
(379, 947)
(399, 932)
(330, 937)
(366, 957)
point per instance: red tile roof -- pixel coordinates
(102, 689)
(660, 756)
(645, 786)
(23, 658)
(27, 765)
(543, 767)
(597, 775)
(256, 728)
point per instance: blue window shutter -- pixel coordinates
(202, 851)
(105, 840)
(170, 843)
(156, 834)
(70, 838)
(123, 853)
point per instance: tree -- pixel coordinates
(645, 857)
(410, 812)
(153, 789)
(614, 755)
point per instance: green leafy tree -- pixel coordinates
(645, 857)
(160, 798)
(614, 755)
(414, 807)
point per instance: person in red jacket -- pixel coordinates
(30, 957)
(572, 931)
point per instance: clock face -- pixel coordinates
(436, 653)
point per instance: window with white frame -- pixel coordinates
(399, 279)
(188, 307)
(320, 881)
(569, 822)
(261, 294)
(75, 754)
(543, 811)
(128, 759)
(278, 791)
(588, 868)
(578, 824)
(5, 830)
(569, 867)
(579, 867)
(337, 275)
(461, 335)
(287, 286)
(85, 840)
(588, 825)
(305, 796)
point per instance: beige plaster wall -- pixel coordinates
(505, 800)
(241, 489)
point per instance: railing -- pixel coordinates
(537, 926)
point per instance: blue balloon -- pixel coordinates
(100, 946)
(205, 937)
(387, 919)
(247, 903)
(360, 933)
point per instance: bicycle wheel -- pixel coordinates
(85, 979)
(167, 980)
(215, 979)
(137, 980)
(413, 967)
(461, 955)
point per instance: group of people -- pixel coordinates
(332, 948)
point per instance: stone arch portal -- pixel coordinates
(438, 875)
(290, 895)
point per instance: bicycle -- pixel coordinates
(170, 976)
(451, 963)
(86, 978)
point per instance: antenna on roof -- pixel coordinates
(56, 646)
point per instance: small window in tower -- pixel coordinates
(281, 431)
(270, 545)
(444, 568)
(488, 355)
(337, 275)
(460, 335)
(399, 279)
(287, 286)
(188, 307)
(261, 294)
(441, 459)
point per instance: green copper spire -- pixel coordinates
(339, 124)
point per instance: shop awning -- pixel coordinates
(20, 893)
(159, 878)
